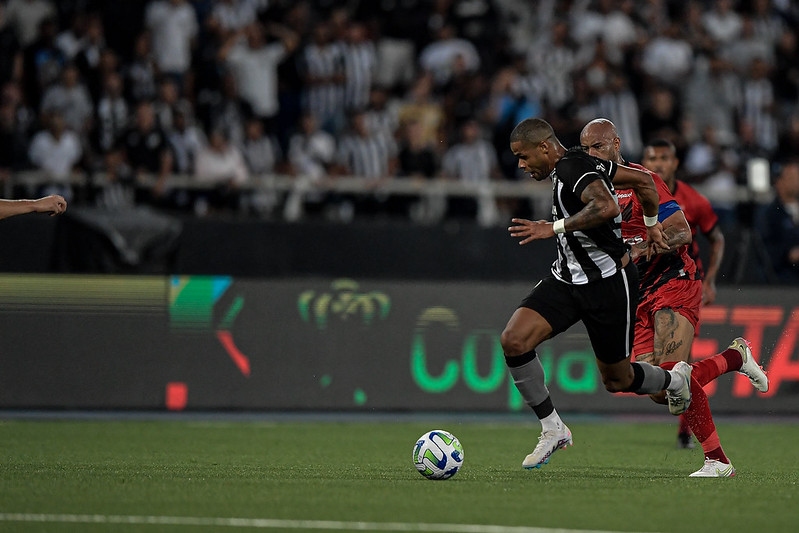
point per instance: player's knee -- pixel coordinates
(513, 343)
(613, 384)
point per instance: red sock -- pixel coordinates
(710, 368)
(701, 421)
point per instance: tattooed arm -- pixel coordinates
(676, 232)
(600, 206)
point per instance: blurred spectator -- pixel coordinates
(710, 161)
(395, 65)
(768, 24)
(185, 139)
(417, 159)
(42, 62)
(69, 40)
(360, 60)
(381, 114)
(93, 59)
(786, 73)
(439, 57)
(254, 63)
(56, 151)
(557, 58)
(261, 152)
(515, 94)
(70, 99)
(10, 50)
(234, 15)
(140, 73)
(712, 97)
(13, 142)
(722, 23)
(219, 166)
(26, 16)
(789, 140)
(693, 28)
(748, 47)
(758, 106)
(226, 112)
(142, 149)
(167, 102)
(173, 25)
(668, 57)
(420, 106)
(111, 115)
(362, 154)
(618, 104)
(263, 157)
(322, 68)
(465, 97)
(311, 150)
(26, 117)
(661, 116)
(472, 161)
(778, 224)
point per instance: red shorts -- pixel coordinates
(680, 295)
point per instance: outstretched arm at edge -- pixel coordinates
(54, 205)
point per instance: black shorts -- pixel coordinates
(606, 308)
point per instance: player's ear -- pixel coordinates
(544, 146)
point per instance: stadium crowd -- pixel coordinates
(223, 91)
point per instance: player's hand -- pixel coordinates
(656, 241)
(53, 204)
(637, 250)
(531, 230)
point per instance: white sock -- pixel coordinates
(552, 421)
(677, 381)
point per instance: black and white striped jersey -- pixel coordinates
(324, 99)
(592, 254)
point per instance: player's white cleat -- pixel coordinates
(750, 368)
(548, 443)
(680, 401)
(713, 468)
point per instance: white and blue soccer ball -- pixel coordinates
(438, 454)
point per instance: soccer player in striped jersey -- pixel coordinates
(670, 295)
(593, 280)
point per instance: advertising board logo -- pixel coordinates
(192, 301)
(344, 302)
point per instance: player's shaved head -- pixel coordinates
(601, 139)
(600, 127)
(532, 130)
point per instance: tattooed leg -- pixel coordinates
(674, 335)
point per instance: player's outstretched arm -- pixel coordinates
(54, 204)
(600, 207)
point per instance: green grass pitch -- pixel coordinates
(351, 474)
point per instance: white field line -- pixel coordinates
(269, 523)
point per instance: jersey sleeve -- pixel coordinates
(668, 204)
(580, 170)
(705, 215)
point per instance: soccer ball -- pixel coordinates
(438, 454)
